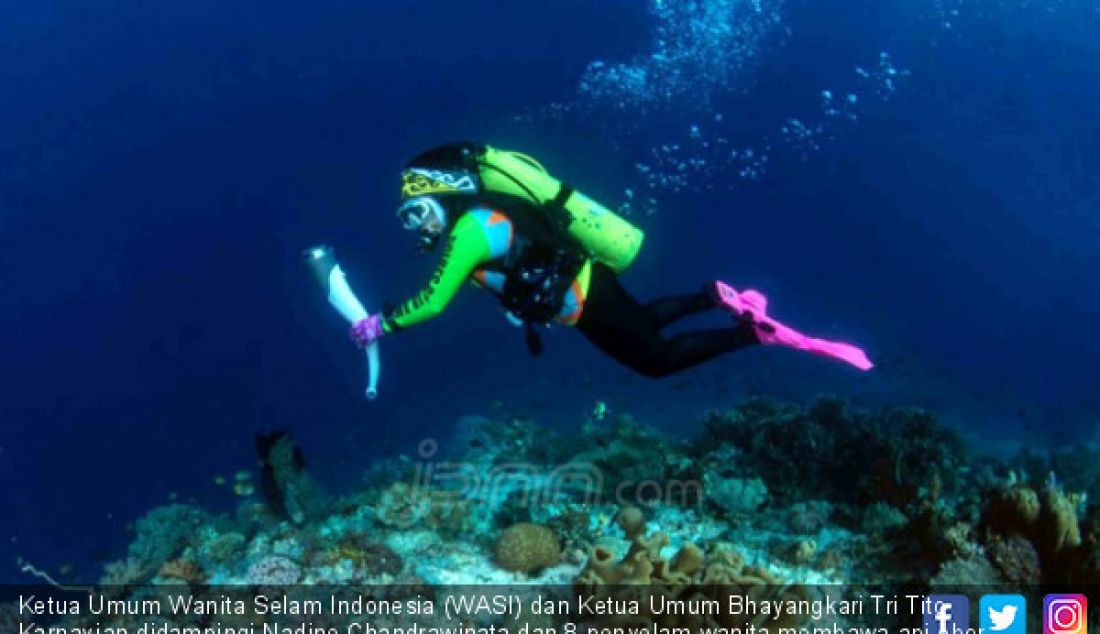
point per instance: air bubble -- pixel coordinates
(699, 48)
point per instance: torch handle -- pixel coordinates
(332, 279)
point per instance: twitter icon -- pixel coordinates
(1003, 614)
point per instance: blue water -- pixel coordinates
(163, 165)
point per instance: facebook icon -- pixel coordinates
(946, 614)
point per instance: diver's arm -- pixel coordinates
(466, 248)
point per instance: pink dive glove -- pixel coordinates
(367, 331)
(753, 305)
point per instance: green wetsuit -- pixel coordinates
(480, 238)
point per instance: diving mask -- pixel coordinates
(417, 213)
(426, 216)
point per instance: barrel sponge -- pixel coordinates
(527, 548)
(632, 521)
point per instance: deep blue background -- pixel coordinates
(163, 165)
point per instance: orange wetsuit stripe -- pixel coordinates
(572, 317)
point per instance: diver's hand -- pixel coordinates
(367, 331)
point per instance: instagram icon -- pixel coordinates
(1065, 614)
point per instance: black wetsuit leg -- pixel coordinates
(666, 310)
(631, 333)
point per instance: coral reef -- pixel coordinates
(1077, 466)
(274, 570)
(1035, 534)
(736, 497)
(1015, 558)
(690, 572)
(573, 526)
(1057, 529)
(628, 454)
(1014, 509)
(369, 559)
(486, 442)
(808, 518)
(402, 505)
(180, 570)
(527, 548)
(800, 553)
(897, 456)
(880, 518)
(163, 533)
(216, 550)
(771, 499)
(123, 572)
(973, 573)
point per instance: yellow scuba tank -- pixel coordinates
(607, 236)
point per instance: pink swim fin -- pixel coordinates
(753, 305)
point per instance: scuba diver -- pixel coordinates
(552, 255)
